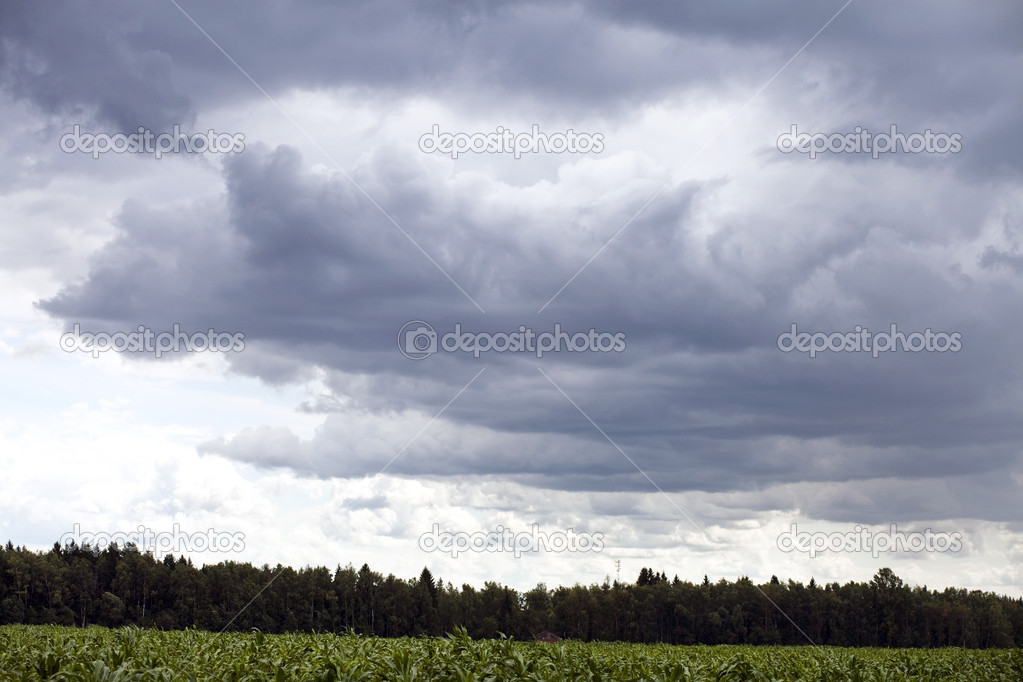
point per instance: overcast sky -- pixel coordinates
(690, 448)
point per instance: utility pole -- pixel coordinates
(618, 570)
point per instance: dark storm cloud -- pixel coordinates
(701, 399)
(79, 59)
(146, 64)
(991, 495)
(316, 276)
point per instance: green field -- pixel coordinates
(94, 653)
(51, 652)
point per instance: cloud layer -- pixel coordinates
(690, 233)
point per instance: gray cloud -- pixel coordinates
(703, 280)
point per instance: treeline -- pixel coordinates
(120, 586)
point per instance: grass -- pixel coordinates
(94, 653)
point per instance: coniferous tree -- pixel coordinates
(78, 586)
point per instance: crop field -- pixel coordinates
(94, 653)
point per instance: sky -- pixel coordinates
(694, 225)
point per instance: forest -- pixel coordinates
(76, 586)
